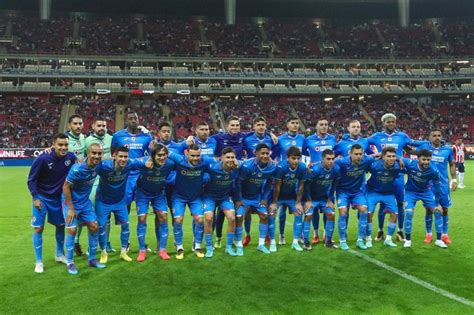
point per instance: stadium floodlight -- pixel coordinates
(328, 99)
(103, 91)
(462, 61)
(183, 92)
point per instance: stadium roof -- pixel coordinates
(353, 9)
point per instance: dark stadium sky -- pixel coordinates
(279, 8)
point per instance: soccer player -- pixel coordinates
(343, 147)
(350, 190)
(188, 192)
(260, 135)
(252, 192)
(164, 138)
(390, 137)
(111, 197)
(207, 144)
(150, 191)
(314, 146)
(442, 158)
(77, 207)
(289, 177)
(380, 189)
(459, 151)
(218, 193)
(100, 136)
(45, 181)
(421, 176)
(319, 196)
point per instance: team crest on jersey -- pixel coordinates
(292, 175)
(418, 174)
(323, 142)
(67, 162)
(203, 145)
(133, 139)
(259, 174)
(327, 176)
(226, 177)
(293, 142)
(117, 173)
(389, 138)
(436, 151)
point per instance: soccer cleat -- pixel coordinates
(148, 249)
(180, 254)
(273, 248)
(379, 236)
(343, 245)
(71, 269)
(103, 257)
(60, 259)
(124, 255)
(389, 243)
(247, 240)
(263, 249)
(39, 268)
(95, 264)
(141, 255)
(281, 240)
(330, 244)
(445, 239)
(368, 243)
(230, 250)
(110, 249)
(461, 186)
(164, 255)
(407, 244)
(361, 245)
(128, 247)
(209, 252)
(400, 236)
(267, 240)
(324, 237)
(296, 247)
(78, 250)
(441, 244)
(315, 240)
(218, 243)
(239, 251)
(428, 238)
(198, 252)
(193, 247)
(307, 246)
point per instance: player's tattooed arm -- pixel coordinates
(71, 213)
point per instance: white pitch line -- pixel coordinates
(413, 279)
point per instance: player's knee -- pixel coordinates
(330, 216)
(39, 229)
(198, 219)
(142, 219)
(93, 227)
(239, 220)
(178, 220)
(445, 211)
(308, 218)
(162, 217)
(342, 211)
(71, 231)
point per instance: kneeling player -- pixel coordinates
(78, 207)
(319, 196)
(289, 185)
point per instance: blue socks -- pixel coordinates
(38, 245)
(69, 248)
(369, 229)
(208, 238)
(93, 240)
(262, 232)
(141, 235)
(297, 226)
(341, 225)
(362, 225)
(198, 233)
(59, 241)
(238, 234)
(102, 237)
(230, 237)
(315, 220)
(271, 227)
(391, 228)
(78, 233)
(329, 230)
(247, 223)
(445, 224)
(125, 235)
(429, 222)
(401, 216)
(163, 235)
(438, 224)
(282, 220)
(306, 228)
(219, 223)
(408, 223)
(178, 233)
(381, 217)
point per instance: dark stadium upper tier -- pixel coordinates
(265, 37)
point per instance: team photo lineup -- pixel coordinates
(88, 183)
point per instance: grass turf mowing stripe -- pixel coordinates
(413, 279)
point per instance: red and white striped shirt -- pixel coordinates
(458, 151)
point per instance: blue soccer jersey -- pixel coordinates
(251, 142)
(221, 184)
(175, 147)
(382, 178)
(112, 184)
(208, 147)
(82, 178)
(137, 144)
(397, 140)
(441, 158)
(315, 145)
(343, 147)
(321, 182)
(254, 181)
(420, 180)
(290, 179)
(285, 141)
(353, 176)
(153, 181)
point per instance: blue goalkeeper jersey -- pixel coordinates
(285, 141)
(315, 145)
(254, 181)
(343, 147)
(321, 182)
(221, 183)
(153, 181)
(82, 178)
(421, 180)
(290, 179)
(353, 176)
(382, 179)
(397, 140)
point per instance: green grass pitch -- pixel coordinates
(320, 281)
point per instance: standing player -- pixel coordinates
(77, 207)
(290, 176)
(260, 135)
(319, 195)
(314, 146)
(421, 176)
(45, 182)
(218, 193)
(344, 145)
(380, 190)
(252, 193)
(207, 144)
(398, 140)
(442, 157)
(350, 190)
(459, 151)
(151, 191)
